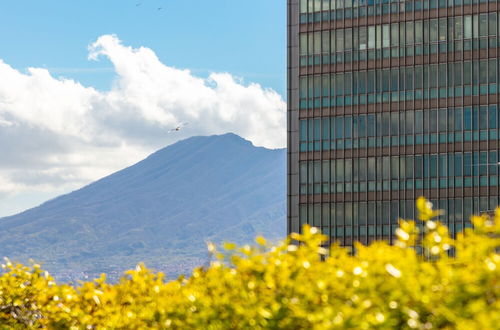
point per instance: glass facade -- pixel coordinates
(400, 39)
(388, 101)
(333, 10)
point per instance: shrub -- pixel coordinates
(298, 285)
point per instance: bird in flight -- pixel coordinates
(178, 127)
(159, 8)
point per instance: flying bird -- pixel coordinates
(178, 127)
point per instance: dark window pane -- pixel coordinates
(418, 167)
(395, 123)
(339, 170)
(371, 169)
(362, 82)
(386, 79)
(458, 119)
(467, 73)
(467, 118)
(492, 116)
(483, 72)
(458, 164)
(303, 130)
(325, 128)
(386, 173)
(395, 167)
(317, 86)
(339, 125)
(317, 130)
(492, 71)
(371, 81)
(325, 85)
(371, 125)
(409, 167)
(409, 122)
(483, 117)
(457, 79)
(394, 80)
(409, 78)
(419, 121)
(442, 120)
(348, 170)
(433, 166)
(386, 121)
(418, 77)
(348, 127)
(433, 76)
(339, 84)
(347, 83)
(362, 213)
(433, 121)
(371, 213)
(362, 169)
(303, 87)
(467, 163)
(442, 75)
(362, 126)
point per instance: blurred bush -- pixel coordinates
(295, 285)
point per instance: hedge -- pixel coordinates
(297, 284)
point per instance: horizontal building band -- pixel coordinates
(401, 194)
(395, 57)
(446, 126)
(361, 213)
(466, 29)
(421, 82)
(407, 150)
(398, 106)
(358, 221)
(389, 12)
(400, 172)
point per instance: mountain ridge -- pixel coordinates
(166, 206)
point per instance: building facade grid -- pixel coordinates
(388, 101)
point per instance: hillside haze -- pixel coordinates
(161, 210)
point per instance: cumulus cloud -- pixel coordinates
(4, 122)
(55, 132)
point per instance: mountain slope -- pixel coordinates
(161, 210)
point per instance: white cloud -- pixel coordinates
(54, 132)
(6, 123)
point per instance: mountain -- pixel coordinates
(161, 210)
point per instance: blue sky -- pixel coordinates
(66, 121)
(243, 37)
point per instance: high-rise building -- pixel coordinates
(389, 101)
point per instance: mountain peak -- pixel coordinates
(217, 138)
(161, 210)
(212, 146)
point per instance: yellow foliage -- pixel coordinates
(294, 285)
